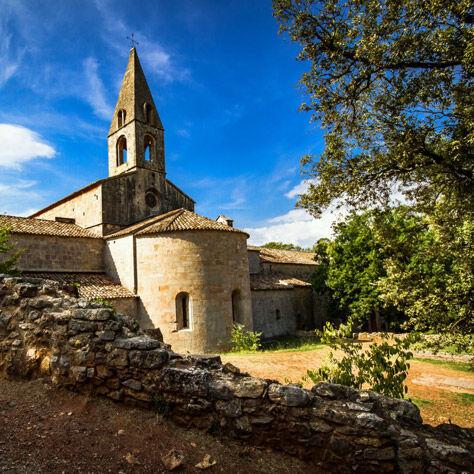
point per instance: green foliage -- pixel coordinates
(356, 264)
(415, 271)
(380, 367)
(429, 268)
(105, 304)
(243, 340)
(162, 406)
(7, 265)
(392, 84)
(282, 246)
(451, 343)
(350, 268)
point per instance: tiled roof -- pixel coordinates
(91, 285)
(285, 256)
(173, 221)
(275, 281)
(28, 225)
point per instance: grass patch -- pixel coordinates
(292, 343)
(420, 402)
(466, 399)
(285, 344)
(447, 364)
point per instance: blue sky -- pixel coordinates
(224, 83)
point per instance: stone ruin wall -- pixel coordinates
(46, 332)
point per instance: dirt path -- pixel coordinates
(43, 430)
(436, 390)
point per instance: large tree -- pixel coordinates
(391, 82)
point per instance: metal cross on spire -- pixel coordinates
(132, 40)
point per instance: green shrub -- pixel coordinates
(380, 367)
(243, 340)
(7, 264)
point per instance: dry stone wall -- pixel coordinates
(46, 331)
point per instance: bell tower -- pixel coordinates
(136, 135)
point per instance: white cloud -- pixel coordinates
(20, 144)
(95, 94)
(296, 227)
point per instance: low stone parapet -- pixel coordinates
(46, 332)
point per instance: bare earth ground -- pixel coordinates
(436, 390)
(44, 430)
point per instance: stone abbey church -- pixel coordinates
(134, 240)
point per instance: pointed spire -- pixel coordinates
(135, 97)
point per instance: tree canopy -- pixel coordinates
(391, 82)
(402, 263)
(282, 246)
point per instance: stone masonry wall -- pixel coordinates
(44, 331)
(44, 253)
(294, 269)
(209, 266)
(283, 311)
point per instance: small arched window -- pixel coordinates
(121, 116)
(121, 150)
(148, 113)
(277, 314)
(183, 310)
(149, 148)
(237, 307)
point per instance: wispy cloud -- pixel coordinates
(297, 190)
(20, 145)
(230, 193)
(154, 56)
(9, 59)
(95, 93)
(18, 196)
(182, 132)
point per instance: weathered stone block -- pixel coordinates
(139, 342)
(153, 359)
(250, 387)
(288, 395)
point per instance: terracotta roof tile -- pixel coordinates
(285, 256)
(173, 221)
(91, 285)
(28, 225)
(275, 281)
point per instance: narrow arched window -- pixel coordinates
(148, 113)
(237, 307)
(183, 310)
(121, 116)
(149, 148)
(277, 314)
(121, 150)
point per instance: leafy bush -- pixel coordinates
(7, 265)
(380, 367)
(243, 340)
